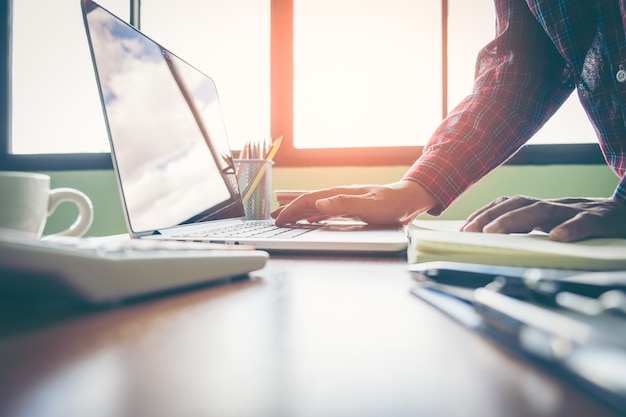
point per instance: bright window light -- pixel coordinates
(228, 41)
(56, 108)
(366, 73)
(55, 104)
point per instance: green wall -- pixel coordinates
(540, 181)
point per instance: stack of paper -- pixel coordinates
(532, 250)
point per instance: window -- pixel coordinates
(55, 105)
(230, 42)
(350, 85)
(366, 74)
(53, 80)
(342, 81)
(359, 79)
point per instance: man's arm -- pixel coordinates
(521, 80)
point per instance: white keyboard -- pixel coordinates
(256, 229)
(103, 270)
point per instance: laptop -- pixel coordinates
(171, 155)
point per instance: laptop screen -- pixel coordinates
(165, 126)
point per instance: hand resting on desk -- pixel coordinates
(565, 219)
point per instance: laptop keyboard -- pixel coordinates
(254, 229)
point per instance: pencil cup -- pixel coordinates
(255, 185)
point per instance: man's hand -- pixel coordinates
(396, 203)
(566, 219)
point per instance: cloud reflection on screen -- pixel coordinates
(166, 129)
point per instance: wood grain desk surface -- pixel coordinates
(303, 337)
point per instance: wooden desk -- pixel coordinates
(303, 337)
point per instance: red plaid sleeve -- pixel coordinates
(521, 80)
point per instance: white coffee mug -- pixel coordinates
(26, 201)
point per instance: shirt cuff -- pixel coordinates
(620, 192)
(440, 178)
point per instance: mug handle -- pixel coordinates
(85, 210)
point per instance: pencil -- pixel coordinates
(243, 155)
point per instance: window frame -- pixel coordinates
(281, 113)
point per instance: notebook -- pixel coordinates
(436, 241)
(171, 154)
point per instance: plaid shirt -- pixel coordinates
(543, 50)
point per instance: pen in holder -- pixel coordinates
(255, 184)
